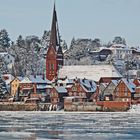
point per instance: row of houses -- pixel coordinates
(38, 88)
(109, 92)
(119, 94)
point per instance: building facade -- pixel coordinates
(54, 57)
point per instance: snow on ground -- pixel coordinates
(135, 108)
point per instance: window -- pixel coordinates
(52, 94)
(74, 89)
(51, 66)
(83, 94)
(55, 94)
(126, 91)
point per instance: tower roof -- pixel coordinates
(55, 38)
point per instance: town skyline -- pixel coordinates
(99, 19)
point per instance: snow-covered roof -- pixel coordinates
(69, 97)
(119, 46)
(10, 78)
(49, 86)
(119, 63)
(115, 82)
(35, 79)
(25, 80)
(43, 86)
(104, 84)
(61, 89)
(88, 85)
(131, 86)
(20, 78)
(66, 81)
(2, 54)
(69, 86)
(93, 72)
(132, 72)
(38, 79)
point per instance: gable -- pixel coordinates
(76, 88)
(125, 84)
(53, 90)
(26, 80)
(16, 80)
(110, 88)
(53, 93)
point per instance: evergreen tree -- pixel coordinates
(119, 40)
(4, 39)
(20, 41)
(72, 43)
(64, 45)
(45, 39)
(3, 89)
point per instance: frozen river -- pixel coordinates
(69, 126)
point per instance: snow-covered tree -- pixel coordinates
(119, 40)
(4, 39)
(28, 54)
(45, 39)
(64, 45)
(3, 89)
(72, 43)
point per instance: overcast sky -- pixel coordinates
(102, 19)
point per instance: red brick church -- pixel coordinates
(54, 57)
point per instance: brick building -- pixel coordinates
(54, 56)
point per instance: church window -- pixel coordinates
(51, 66)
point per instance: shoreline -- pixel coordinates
(68, 112)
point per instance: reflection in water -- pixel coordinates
(68, 126)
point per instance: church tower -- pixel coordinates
(54, 57)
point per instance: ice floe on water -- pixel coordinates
(69, 126)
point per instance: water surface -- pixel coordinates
(69, 126)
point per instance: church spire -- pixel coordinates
(54, 39)
(54, 57)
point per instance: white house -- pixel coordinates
(121, 51)
(8, 59)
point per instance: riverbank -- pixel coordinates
(21, 106)
(6, 106)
